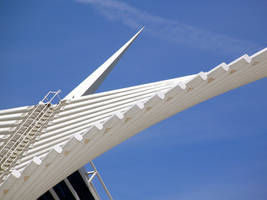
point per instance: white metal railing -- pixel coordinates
(91, 175)
(23, 136)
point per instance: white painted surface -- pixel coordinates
(88, 126)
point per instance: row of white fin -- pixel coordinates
(43, 171)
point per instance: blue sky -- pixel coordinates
(215, 150)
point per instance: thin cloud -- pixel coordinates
(170, 30)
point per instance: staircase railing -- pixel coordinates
(27, 131)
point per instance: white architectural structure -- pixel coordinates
(44, 143)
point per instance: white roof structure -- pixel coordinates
(44, 143)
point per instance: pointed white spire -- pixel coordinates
(92, 82)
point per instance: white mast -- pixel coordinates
(92, 82)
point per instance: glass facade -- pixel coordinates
(64, 192)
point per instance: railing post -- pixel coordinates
(96, 173)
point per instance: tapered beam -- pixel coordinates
(92, 82)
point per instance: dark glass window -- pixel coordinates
(63, 191)
(80, 186)
(46, 196)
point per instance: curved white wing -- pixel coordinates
(84, 128)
